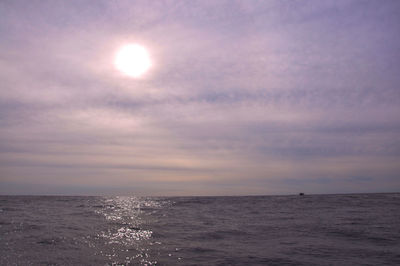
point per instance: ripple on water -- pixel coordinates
(126, 240)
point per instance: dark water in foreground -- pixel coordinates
(362, 229)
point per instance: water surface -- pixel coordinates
(359, 229)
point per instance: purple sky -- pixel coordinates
(244, 97)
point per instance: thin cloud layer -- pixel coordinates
(244, 97)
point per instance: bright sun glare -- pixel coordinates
(132, 60)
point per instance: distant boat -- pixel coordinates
(301, 194)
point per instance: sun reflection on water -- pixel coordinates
(127, 240)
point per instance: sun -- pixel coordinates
(132, 60)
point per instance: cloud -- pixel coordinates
(244, 97)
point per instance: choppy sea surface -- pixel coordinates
(359, 229)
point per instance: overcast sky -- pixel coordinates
(243, 97)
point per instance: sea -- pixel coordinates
(350, 229)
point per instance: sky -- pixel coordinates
(242, 98)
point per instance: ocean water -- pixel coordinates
(359, 229)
